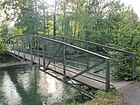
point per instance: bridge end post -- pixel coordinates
(23, 47)
(43, 51)
(87, 47)
(64, 56)
(31, 49)
(134, 64)
(107, 87)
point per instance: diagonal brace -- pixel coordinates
(115, 63)
(127, 57)
(57, 50)
(88, 69)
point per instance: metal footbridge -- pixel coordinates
(82, 61)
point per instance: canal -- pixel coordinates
(30, 86)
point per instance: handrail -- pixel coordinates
(57, 41)
(96, 44)
(84, 41)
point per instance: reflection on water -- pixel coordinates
(29, 86)
(11, 94)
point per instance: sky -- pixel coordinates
(133, 3)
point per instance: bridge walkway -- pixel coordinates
(86, 78)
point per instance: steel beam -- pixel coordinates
(107, 88)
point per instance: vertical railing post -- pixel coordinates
(18, 49)
(107, 75)
(14, 47)
(23, 48)
(134, 63)
(87, 54)
(31, 52)
(22, 45)
(43, 51)
(64, 57)
(54, 47)
(11, 46)
(38, 51)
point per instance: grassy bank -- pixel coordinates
(103, 98)
(6, 58)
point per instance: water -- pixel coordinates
(29, 86)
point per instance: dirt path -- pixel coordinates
(131, 94)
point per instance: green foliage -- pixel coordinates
(138, 69)
(25, 13)
(28, 20)
(16, 31)
(138, 73)
(2, 46)
(103, 98)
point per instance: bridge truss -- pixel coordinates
(79, 60)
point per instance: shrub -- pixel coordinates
(2, 46)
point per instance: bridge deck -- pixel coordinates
(86, 78)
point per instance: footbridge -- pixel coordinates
(85, 62)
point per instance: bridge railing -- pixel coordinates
(62, 57)
(124, 61)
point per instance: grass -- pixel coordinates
(6, 58)
(104, 98)
(101, 98)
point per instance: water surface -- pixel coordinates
(30, 86)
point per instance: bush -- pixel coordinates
(3, 47)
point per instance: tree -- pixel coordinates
(27, 18)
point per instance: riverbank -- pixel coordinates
(7, 61)
(6, 58)
(128, 95)
(103, 98)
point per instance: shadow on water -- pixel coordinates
(2, 97)
(30, 97)
(30, 86)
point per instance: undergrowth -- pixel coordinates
(104, 98)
